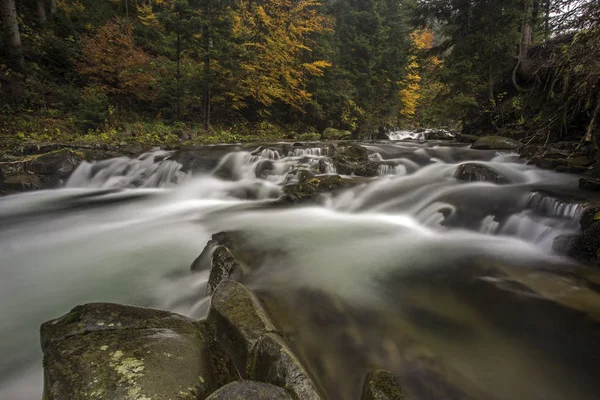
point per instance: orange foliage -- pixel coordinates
(278, 36)
(111, 60)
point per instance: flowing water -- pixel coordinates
(453, 286)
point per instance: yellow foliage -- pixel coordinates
(70, 6)
(278, 36)
(410, 94)
(147, 16)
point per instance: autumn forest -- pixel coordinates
(167, 71)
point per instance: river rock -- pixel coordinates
(439, 134)
(60, 163)
(589, 216)
(274, 362)
(238, 320)
(382, 385)
(347, 166)
(472, 172)
(335, 134)
(590, 184)
(224, 266)
(250, 390)
(354, 152)
(21, 182)
(586, 246)
(111, 351)
(310, 186)
(496, 143)
(204, 260)
(463, 138)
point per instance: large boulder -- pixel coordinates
(250, 390)
(274, 362)
(473, 172)
(496, 143)
(382, 385)
(111, 351)
(239, 321)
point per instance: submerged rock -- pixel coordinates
(382, 385)
(472, 172)
(274, 362)
(111, 351)
(250, 390)
(496, 143)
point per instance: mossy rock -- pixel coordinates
(364, 167)
(335, 134)
(273, 362)
(309, 137)
(354, 152)
(309, 186)
(496, 143)
(382, 385)
(239, 321)
(250, 390)
(473, 172)
(111, 351)
(590, 216)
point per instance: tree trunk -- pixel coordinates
(527, 30)
(178, 77)
(491, 81)
(10, 24)
(41, 11)
(206, 89)
(126, 8)
(52, 7)
(589, 136)
(547, 20)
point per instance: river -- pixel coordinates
(452, 285)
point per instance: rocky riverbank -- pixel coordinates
(102, 350)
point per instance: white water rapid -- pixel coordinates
(401, 244)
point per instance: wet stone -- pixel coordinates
(274, 362)
(472, 172)
(382, 385)
(250, 390)
(496, 143)
(239, 321)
